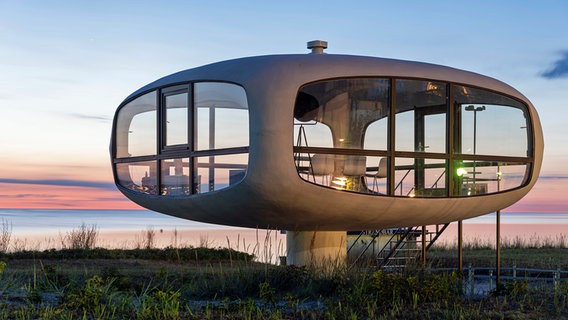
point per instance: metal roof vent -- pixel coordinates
(317, 46)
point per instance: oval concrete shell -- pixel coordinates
(272, 194)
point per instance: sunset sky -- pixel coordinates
(65, 66)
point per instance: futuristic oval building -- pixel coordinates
(326, 143)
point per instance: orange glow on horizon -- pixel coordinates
(31, 196)
(547, 196)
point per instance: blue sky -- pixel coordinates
(65, 66)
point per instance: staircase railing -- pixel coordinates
(400, 241)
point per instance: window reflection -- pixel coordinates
(176, 118)
(420, 120)
(218, 119)
(219, 172)
(175, 177)
(313, 134)
(138, 176)
(222, 116)
(481, 177)
(419, 177)
(349, 121)
(488, 129)
(361, 174)
(376, 135)
(490, 124)
(136, 127)
(347, 108)
(343, 114)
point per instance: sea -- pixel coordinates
(39, 221)
(39, 225)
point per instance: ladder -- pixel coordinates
(403, 245)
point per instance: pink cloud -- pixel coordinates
(42, 196)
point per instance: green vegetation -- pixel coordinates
(538, 253)
(166, 254)
(83, 281)
(201, 283)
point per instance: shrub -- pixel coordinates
(5, 235)
(396, 287)
(84, 237)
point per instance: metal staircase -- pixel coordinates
(402, 246)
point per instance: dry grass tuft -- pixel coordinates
(84, 237)
(5, 235)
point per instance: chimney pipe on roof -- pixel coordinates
(317, 46)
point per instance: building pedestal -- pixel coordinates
(319, 249)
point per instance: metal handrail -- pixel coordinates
(375, 235)
(397, 244)
(401, 180)
(435, 184)
(302, 133)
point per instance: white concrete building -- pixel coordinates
(326, 143)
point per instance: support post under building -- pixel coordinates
(498, 247)
(327, 249)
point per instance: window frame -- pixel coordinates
(178, 151)
(450, 156)
(162, 118)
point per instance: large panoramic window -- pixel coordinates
(392, 137)
(344, 116)
(201, 130)
(491, 140)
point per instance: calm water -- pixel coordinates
(39, 222)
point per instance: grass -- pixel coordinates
(536, 252)
(559, 241)
(217, 283)
(83, 281)
(84, 237)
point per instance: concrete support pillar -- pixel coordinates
(319, 249)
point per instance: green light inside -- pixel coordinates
(461, 172)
